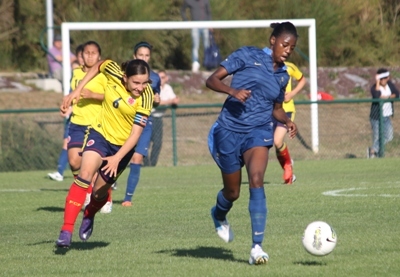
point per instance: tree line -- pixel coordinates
(349, 33)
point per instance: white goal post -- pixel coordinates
(66, 27)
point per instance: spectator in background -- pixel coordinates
(383, 89)
(199, 11)
(167, 97)
(54, 59)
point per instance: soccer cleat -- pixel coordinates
(294, 178)
(288, 174)
(56, 176)
(127, 204)
(114, 186)
(107, 208)
(64, 240)
(222, 228)
(86, 229)
(258, 256)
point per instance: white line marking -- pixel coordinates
(342, 192)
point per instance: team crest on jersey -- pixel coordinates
(90, 142)
(131, 100)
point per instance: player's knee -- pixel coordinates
(231, 195)
(256, 180)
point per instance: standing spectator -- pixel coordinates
(167, 97)
(142, 51)
(54, 59)
(243, 132)
(200, 10)
(383, 89)
(280, 130)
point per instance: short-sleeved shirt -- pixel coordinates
(252, 69)
(86, 110)
(155, 82)
(53, 63)
(120, 109)
(295, 73)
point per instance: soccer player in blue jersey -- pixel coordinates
(243, 132)
(142, 50)
(110, 141)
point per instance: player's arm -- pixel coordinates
(112, 162)
(291, 94)
(75, 95)
(88, 94)
(215, 83)
(280, 115)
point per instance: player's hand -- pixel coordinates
(157, 98)
(292, 129)
(70, 99)
(86, 93)
(242, 95)
(111, 166)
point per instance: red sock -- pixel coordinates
(283, 155)
(109, 199)
(95, 205)
(73, 204)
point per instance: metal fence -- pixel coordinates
(32, 139)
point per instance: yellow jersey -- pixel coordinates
(85, 110)
(120, 109)
(295, 73)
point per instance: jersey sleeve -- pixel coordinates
(294, 71)
(146, 104)
(111, 70)
(235, 61)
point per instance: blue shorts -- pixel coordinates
(143, 144)
(277, 123)
(227, 147)
(97, 143)
(76, 135)
(66, 128)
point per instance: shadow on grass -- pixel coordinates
(310, 263)
(80, 246)
(204, 253)
(56, 190)
(51, 209)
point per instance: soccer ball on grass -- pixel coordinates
(319, 238)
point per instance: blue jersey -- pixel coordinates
(252, 69)
(155, 82)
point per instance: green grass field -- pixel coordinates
(169, 232)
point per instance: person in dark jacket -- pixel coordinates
(382, 89)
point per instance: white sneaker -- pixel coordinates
(107, 208)
(222, 228)
(56, 176)
(258, 256)
(195, 67)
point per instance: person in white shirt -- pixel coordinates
(167, 97)
(383, 89)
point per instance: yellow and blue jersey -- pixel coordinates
(295, 73)
(120, 109)
(85, 110)
(252, 69)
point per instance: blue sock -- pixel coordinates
(62, 162)
(222, 207)
(258, 214)
(133, 180)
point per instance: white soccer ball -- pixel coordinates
(319, 238)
